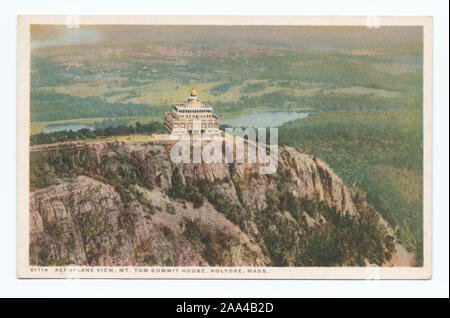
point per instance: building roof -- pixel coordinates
(193, 102)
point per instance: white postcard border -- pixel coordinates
(24, 270)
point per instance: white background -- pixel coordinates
(10, 286)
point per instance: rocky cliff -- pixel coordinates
(117, 203)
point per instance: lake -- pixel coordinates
(262, 119)
(66, 127)
(257, 119)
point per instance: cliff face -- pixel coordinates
(128, 204)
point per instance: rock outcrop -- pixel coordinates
(128, 204)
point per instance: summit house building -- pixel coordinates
(192, 117)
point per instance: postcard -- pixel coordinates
(224, 147)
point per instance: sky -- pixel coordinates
(291, 36)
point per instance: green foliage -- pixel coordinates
(178, 188)
(48, 73)
(143, 253)
(341, 240)
(53, 229)
(192, 232)
(127, 221)
(170, 209)
(51, 106)
(224, 205)
(213, 246)
(253, 87)
(43, 257)
(47, 167)
(145, 202)
(180, 191)
(110, 123)
(239, 183)
(379, 152)
(90, 224)
(221, 88)
(82, 134)
(69, 243)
